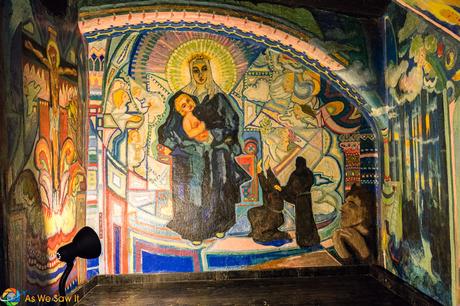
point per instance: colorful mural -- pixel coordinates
(422, 82)
(217, 141)
(45, 172)
(185, 128)
(444, 14)
(454, 117)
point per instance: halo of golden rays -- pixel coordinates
(223, 66)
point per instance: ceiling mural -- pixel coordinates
(328, 54)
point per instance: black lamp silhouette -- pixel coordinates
(85, 244)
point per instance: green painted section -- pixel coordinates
(299, 16)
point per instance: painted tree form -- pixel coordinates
(421, 81)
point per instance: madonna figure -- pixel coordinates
(201, 135)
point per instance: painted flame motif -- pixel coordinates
(58, 210)
(59, 205)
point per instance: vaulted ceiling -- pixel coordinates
(359, 8)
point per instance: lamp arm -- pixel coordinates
(64, 276)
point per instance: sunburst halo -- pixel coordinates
(222, 64)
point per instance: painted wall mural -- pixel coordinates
(443, 14)
(422, 81)
(454, 120)
(193, 138)
(200, 125)
(45, 172)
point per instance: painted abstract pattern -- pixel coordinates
(174, 166)
(445, 14)
(422, 79)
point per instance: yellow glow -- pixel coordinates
(427, 123)
(407, 142)
(335, 107)
(316, 78)
(222, 64)
(441, 9)
(456, 77)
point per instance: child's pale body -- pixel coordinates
(193, 127)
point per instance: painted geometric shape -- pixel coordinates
(116, 177)
(154, 263)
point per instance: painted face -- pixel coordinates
(353, 211)
(120, 98)
(134, 137)
(53, 57)
(184, 104)
(200, 71)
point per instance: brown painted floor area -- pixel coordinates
(331, 290)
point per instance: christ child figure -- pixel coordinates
(193, 127)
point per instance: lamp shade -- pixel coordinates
(85, 244)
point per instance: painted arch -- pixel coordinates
(301, 46)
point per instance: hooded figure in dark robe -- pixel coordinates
(298, 192)
(266, 219)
